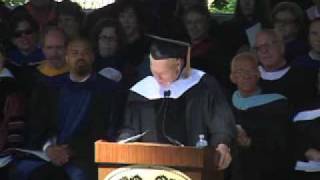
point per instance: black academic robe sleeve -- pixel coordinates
(41, 123)
(268, 127)
(220, 120)
(306, 136)
(132, 116)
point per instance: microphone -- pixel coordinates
(133, 138)
(167, 94)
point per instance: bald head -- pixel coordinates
(53, 45)
(80, 57)
(245, 73)
(242, 58)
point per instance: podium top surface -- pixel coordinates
(149, 153)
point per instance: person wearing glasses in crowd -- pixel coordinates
(277, 76)
(24, 36)
(262, 125)
(25, 53)
(107, 40)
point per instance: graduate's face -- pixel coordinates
(108, 42)
(245, 75)
(69, 24)
(314, 36)
(129, 21)
(285, 23)
(165, 71)
(270, 51)
(79, 57)
(24, 37)
(196, 25)
(54, 48)
(247, 7)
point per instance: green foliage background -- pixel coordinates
(14, 2)
(217, 6)
(222, 6)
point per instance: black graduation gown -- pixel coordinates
(306, 134)
(12, 114)
(199, 109)
(297, 84)
(267, 157)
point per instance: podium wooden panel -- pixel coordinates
(198, 164)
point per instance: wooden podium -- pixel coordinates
(198, 164)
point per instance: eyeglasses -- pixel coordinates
(285, 21)
(107, 38)
(20, 33)
(265, 46)
(244, 73)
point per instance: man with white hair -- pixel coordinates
(277, 76)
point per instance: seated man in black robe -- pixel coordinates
(277, 76)
(51, 71)
(65, 123)
(178, 103)
(262, 124)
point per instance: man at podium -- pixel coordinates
(178, 103)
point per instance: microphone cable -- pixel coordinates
(165, 105)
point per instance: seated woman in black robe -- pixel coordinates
(262, 124)
(107, 39)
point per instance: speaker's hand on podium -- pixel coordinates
(224, 156)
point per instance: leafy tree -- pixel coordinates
(217, 6)
(14, 2)
(222, 6)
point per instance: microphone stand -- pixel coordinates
(165, 108)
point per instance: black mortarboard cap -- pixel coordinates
(164, 48)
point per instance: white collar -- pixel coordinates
(275, 75)
(307, 115)
(313, 12)
(150, 88)
(314, 55)
(6, 73)
(73, 79)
